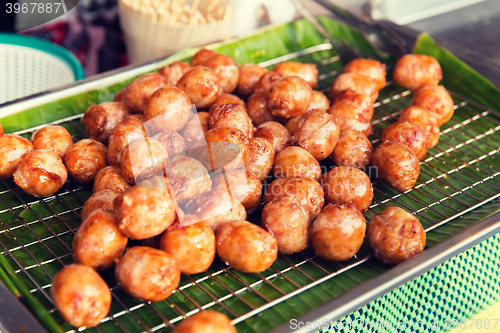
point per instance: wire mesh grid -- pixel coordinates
(458, 175)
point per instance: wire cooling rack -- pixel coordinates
(457, 176)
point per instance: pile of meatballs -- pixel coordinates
(181, 183)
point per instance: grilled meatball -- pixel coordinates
(308, 193)
(98, 242)
(374, 69)
(41, 173)
(307, 72)
(54, 138)
(427, 121)
(346, 184)
(318, 101)
(172, 141)
(226, 69)
(290, 97)
(173, 72)
(120, 96)
(267, 82)
(195, 129)
(246, 247)
(230, 115)
(359, 103)
(192, 246)
(437, 100)
(258, 110)
(226, 98)
(143, 158)
(275, 133)
(287, 220)
(296, 162)
(84, 159)
(396, 165)
(241, 185)
(147, 273)
(201, 85)
(110, 178)
(168, 108)
(206, 321)
(121, 136)
(101, 119)
(250, 74)
(338, 232)
(13, 149)
(216, 208)
(352, 149)
(413, 71)
(291, 124)
(139, 90)
(99, 200)
(81, 295)
(347, 116)
(259, 158)
(408, 134)
(316, 132)
(201, 56)
(358, 83)
(395, 236)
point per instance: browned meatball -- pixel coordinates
(187, 177)
(54, 138)
(317, 132)
(216, 208)
(120, 96)
(413, 71)
(98, 242)
(246, 247)
(99, 200)
(81, 295)
(172, 141)
(241, 185)
(296, 162)
(318, 101)
(195, 129)
(345, 184)
(352, 149)
(427, 121)
(307, 72)
(395, 236)
(258, 110)
(84, 159)
(259, 158)
(121, 136)
(267, 82)
(226, 69)
(408, 134)
(168, 108)
(397, 165)
(338, 232)
(358, 83)
(291, 124)
(374, 69)
(206, 321)
(290, 97)
(275, 133)
(201, 86)
(437, 100)
(101, 119)
(230, 115)
(41, 173)
(137, 117)
(227, 99)
(347, 116)
(143, 158)
(13, 149)
(287, 220)
(201, 56)
(173, 72)
(192, 246)
(110, 178)
(147, 273)
(145, 210)
(139, 90)
(360, 103)
(308, 193)
(250, 74)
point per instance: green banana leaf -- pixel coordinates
(264, 45)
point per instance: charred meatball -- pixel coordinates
(172, 141)
(84, 159)
(121, 136)
(195, 129)
(275, 133)
(353, 149)
(259, 158)
(139, 90)
(54, 138)
(347, 116)
(110, 178)
(173, 72)
(437, 100)
(201, 85)
(101, 119)
(358, 83)
(395, 236)
(226, 69)
(408, 134)
(374, 69)
(296, 162)
(99, 200)
(290, 97)
(318, 101)
(142, 159)
(13, 149)
(169, 109)
(307, 72)
(206, 321)
(201, 57)
(230, 115)
(227, 99)
(250, 74)
(267, 82)
(427, 121)
(413, 71)
(241, 185)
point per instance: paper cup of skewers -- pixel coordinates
(156, 28)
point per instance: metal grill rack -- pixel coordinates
(457, 176)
